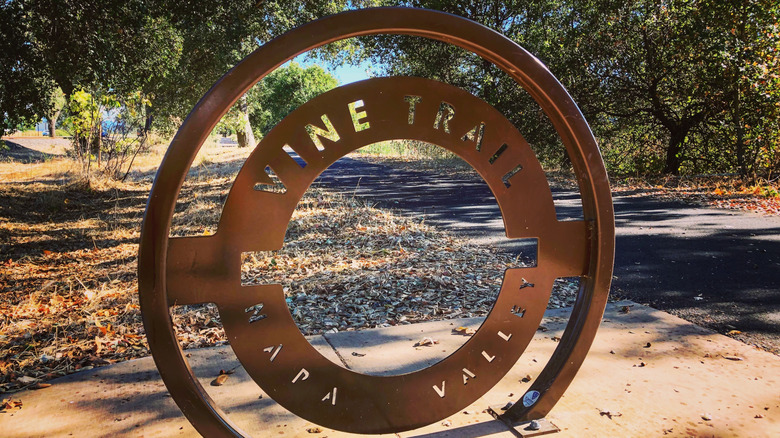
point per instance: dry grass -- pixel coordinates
(68, 254)
(734, 193)
(54, 169)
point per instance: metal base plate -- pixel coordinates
(522, 429)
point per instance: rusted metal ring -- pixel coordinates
(524, 68)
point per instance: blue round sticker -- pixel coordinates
(530, 398)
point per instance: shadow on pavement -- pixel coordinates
(716, 268)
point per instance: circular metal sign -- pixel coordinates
(257, 321)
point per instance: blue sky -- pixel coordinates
(345, 74)
(349, 73)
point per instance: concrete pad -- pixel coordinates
(392, 351)
(688, 373)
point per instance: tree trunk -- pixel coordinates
(246, 138)
(53, 123)
(149, 120)
(241, 137)
(673, 151)
(740, 134)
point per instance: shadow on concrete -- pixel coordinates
(388, 352)
(471, 430)
(684, 372)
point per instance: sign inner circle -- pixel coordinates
(256, 318)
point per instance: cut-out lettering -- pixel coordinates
(510, 174)
(468, 375)
(504, 336)
(329, 133)
(269, 182)
(273, 350)
(413, 101)
(518, 311)
(476, 134)
(255, 313)
(294, 155)
(440, 391)
(443, 117)
(302, 375)
(358, 116)
(331, 396)
(498, 153)
(487, 357)
(525, 284)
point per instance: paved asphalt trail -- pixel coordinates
(716, 268)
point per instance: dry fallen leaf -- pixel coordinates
(9, 404)
(40, 385)
(734, 332)
(220, 380)
(426, 342)
(230, 371)
(466, 331)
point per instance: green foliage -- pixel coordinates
(285, 89)
(216, 36)
(234, 121)
(85, 112)
(408, 149)
(170, 51)
(675, 87)
(107, 148)
(25, 85)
